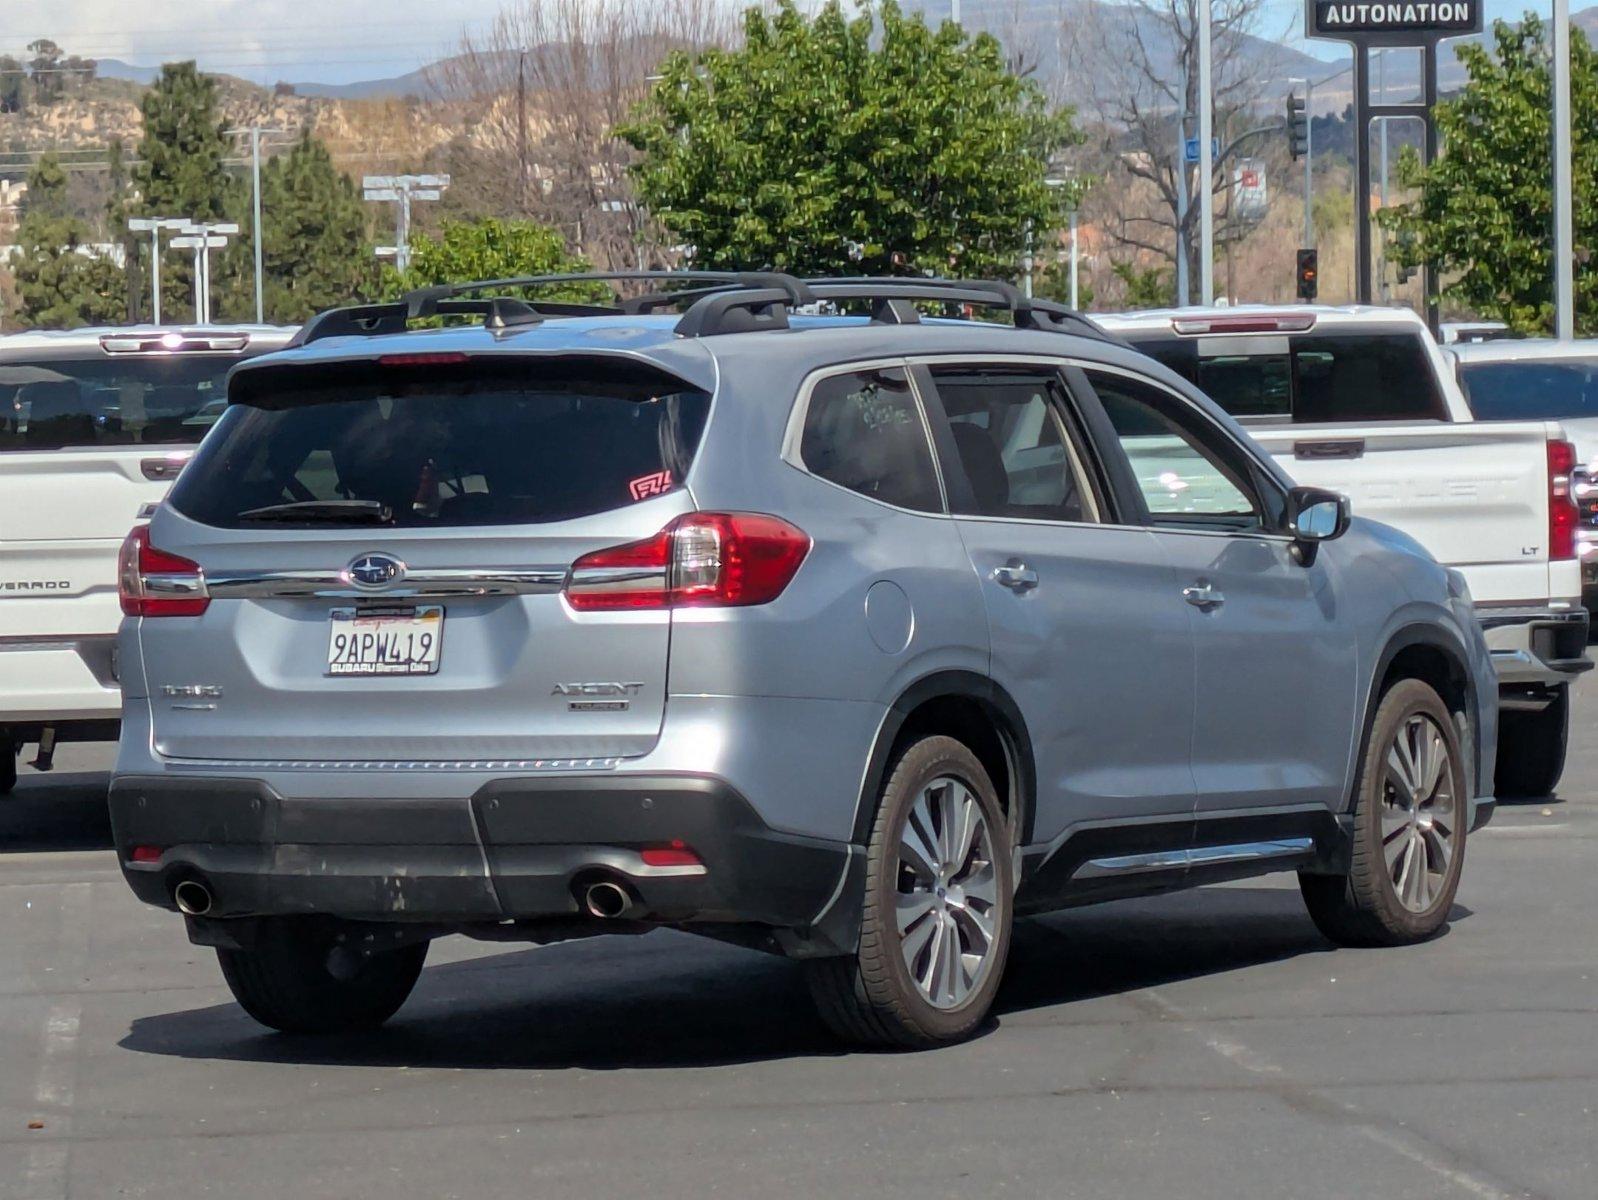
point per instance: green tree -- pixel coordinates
(839, 144)
(59, 283)
(1484, 211)
(494, 249)
(13, 84)
(181, 173)
(1147, 287)
(314, 246)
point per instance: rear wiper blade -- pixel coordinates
(362, 512)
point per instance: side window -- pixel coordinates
(1012, 444)
(864, 431)
(1189, 477)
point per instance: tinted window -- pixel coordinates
(1531, 391)
(1187, 476)
(54, 404)
(1012, 445)
(1315, 377)
(864, 432)
(428, 447)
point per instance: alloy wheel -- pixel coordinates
(948, 898)
(1419, 824)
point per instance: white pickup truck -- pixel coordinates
(94, 424)
(1362, 400)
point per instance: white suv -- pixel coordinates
(94, 425)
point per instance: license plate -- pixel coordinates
(385, 641)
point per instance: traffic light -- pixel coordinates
(1308, 274)
(1297, 128)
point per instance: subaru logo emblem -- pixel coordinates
(375, 571)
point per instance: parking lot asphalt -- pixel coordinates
(1204, 1044)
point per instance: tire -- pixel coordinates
(951, 896)
(1531, 749)
(1394, 893)
(283, 981)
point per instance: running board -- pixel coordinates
(1201, 856)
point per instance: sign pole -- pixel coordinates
(1429, 273)
(1206, 169)
(1362, 175)
(1564, 228)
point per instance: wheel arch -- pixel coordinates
(973, 709)
(1433, 655)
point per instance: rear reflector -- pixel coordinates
(1249, 323)
(145, 854)
(1563, 515)
(153, 583)
(675, 855)
(709, 560)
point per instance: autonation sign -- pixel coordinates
(1408, 22)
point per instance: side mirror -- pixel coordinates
(1315, 515)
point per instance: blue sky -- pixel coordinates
(268, 40)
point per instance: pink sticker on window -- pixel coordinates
(646, 486)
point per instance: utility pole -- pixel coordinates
(521, 130)
(402, 190)
(1206, 169)
(255, 132)
(1564, 227)
(153, 226)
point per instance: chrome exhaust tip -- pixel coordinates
(606, 900)
(192, 897)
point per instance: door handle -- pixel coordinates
(1203, 596)
(164, 469)
(1016, 576)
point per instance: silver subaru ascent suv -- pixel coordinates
(807, 615)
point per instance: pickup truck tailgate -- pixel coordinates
(1476, 496)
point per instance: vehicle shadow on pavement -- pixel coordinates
(672, 1000)
(66, 813)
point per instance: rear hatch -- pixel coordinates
(91, 430)
(385, 541)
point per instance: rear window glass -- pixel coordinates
(144, 400)
(1311, 377)
(424, 446)
(1531, 391)
(863, 431)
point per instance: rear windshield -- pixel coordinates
(1308, 378)
(1531, 391)
(139, 400)
(423, 446)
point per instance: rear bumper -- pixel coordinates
(58, 679)
(1536, 647)
(518, 849)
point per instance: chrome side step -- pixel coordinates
(1198, 856)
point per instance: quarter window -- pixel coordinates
(1187, 477)
(1012, 446)
(864, 431)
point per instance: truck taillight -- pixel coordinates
(703, 559)
(1563, 516)
(153, 583)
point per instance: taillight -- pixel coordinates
(703, 559)
(1563, 516)
(153, 583)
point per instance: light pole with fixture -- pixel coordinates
(153, 226)
(402, 191)
(203, 237)
(255, 132)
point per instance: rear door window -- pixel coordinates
(145, 400)
(422, 446)
(1531, 391)
(864, 431)
(1312, 378)
(1011, 443)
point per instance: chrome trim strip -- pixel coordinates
(186, 586)
(305, 764)
(438, 583)
(1202, 856)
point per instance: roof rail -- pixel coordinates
(722, 302)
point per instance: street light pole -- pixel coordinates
(401, 190)
(1564, 227)
(204, 236)
(255, 132)
(154, 226)
(1206, 164)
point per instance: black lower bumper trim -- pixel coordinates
(519, 849)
